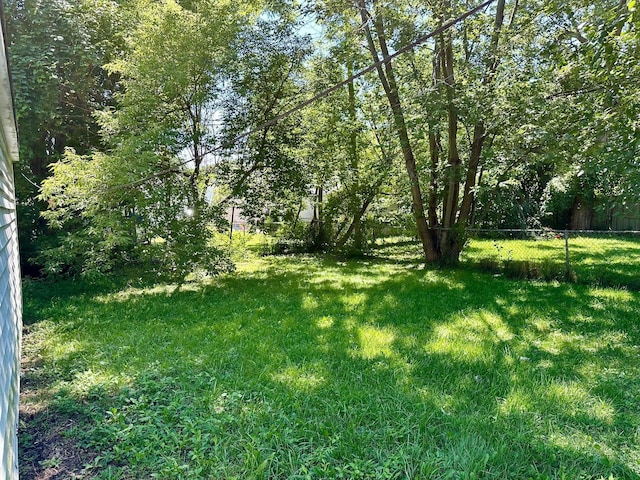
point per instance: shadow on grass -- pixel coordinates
(334, 369)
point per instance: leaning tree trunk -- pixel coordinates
(387, 79)
(355, 224)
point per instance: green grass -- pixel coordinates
(304, 367)
(602, 260)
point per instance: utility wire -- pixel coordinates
(30, 181)
(324, 93)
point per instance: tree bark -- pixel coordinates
(317, 224)
(356, 211)
(472, 173)
(449, 245)
(387, 78)
(479, 131)
(355, 223)
(434, 152)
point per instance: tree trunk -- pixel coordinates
(449, 244)
(387, 78)
(452, 237)
(356, 211)
(480, 131)
(357, 219)
(295, 220)
(472, 173)
(434, 150)
(317, 224)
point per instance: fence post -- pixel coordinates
(566, 255)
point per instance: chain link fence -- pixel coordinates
(604, 258)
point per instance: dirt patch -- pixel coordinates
(45, 452)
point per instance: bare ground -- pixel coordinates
(45, 451)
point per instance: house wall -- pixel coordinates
(10, 291)
(235, 216)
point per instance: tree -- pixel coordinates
(451, 188)
(57, 50)
(194, 77)
(149, 190)
(518, 97)
(598, 86)
(260, 172)
(347, 149)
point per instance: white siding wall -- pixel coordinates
(10, 293)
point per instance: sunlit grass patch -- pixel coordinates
(311, 367)
(304, 378)
(325, 322)
(517, 401)
(374, 342)
(470, 336)
(596, 260)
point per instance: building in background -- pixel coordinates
(10, 293)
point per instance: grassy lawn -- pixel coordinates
(602, 260)
(305, 367)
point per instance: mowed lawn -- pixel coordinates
(307, 367)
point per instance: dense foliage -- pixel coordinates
(143, 122)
